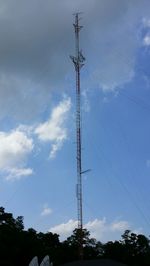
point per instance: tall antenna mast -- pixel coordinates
(78, 61)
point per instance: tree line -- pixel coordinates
(18, 246)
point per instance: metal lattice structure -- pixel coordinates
(78, 61)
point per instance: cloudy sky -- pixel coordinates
(37, 114)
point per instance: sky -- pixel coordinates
(37, 115)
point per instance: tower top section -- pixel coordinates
(78, 59)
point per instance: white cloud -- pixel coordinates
(146, 40)
(16, 145)
(35, 60)
(54, 129)
(117, 63)
(102, 230)
(119, 226)
(18, 173)
(46, 210)
(99, 229)
(64, 229)
(14, 148)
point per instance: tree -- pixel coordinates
(136, 248)
(10, 237)
(19, 246)
(91, 247)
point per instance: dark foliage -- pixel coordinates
(19, 246)
(133, 249)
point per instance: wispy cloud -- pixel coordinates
(18, 173)
(99, 229)
(146, 22)
(146, 40)
(86, 103)
(46, 210)
(146, 25)
(54, 130)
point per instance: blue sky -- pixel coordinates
(37, 115)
